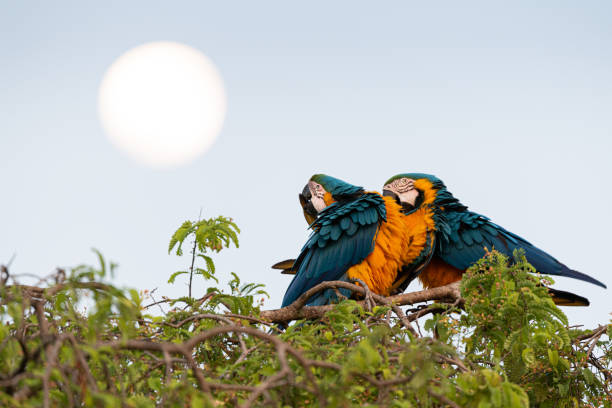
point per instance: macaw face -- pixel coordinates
(402, 190)
(312, 200)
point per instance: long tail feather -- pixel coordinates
(285, 266)
(546, 264)
(563, 298)
(570, 273)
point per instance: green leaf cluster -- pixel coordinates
(514, 324)
(210, 235)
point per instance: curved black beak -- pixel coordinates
(309, 211)
(389, 193)
(406, 207)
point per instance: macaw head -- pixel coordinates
(411, 190)
(322, 191)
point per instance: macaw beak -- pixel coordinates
(310, 214)
(406, 207)
(389, 193)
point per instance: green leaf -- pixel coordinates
(175, 274)
(528, 355)
(553, 357)
(102, 271)
(210, 265)
(179, 236)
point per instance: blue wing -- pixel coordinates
(469, 233)
(343, 235)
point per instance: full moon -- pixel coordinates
(162, 103)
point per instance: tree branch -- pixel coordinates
(298, 311)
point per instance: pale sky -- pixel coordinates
(509, 104)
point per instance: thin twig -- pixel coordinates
(443, 399)
(193, 256)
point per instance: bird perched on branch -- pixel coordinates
(355, 235)
(463, 237)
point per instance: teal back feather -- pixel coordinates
(343, 235)
(462, 235)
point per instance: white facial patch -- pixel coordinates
(318, 192)
(404, 188)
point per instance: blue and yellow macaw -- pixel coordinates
(462, 238)
(355, 235)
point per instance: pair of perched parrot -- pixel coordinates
(415, 229)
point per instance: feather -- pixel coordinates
(345, 223)
(342, 236)
(335, 233)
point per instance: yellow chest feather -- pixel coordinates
(399, 241)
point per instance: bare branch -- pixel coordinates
(298, 311)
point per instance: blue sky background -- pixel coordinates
(509, 104)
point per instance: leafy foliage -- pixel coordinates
(208, 235)
(212, 234)
(517, 325)
(80, 341)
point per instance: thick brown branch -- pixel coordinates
(297, 310)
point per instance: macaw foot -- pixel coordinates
(369, 299)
